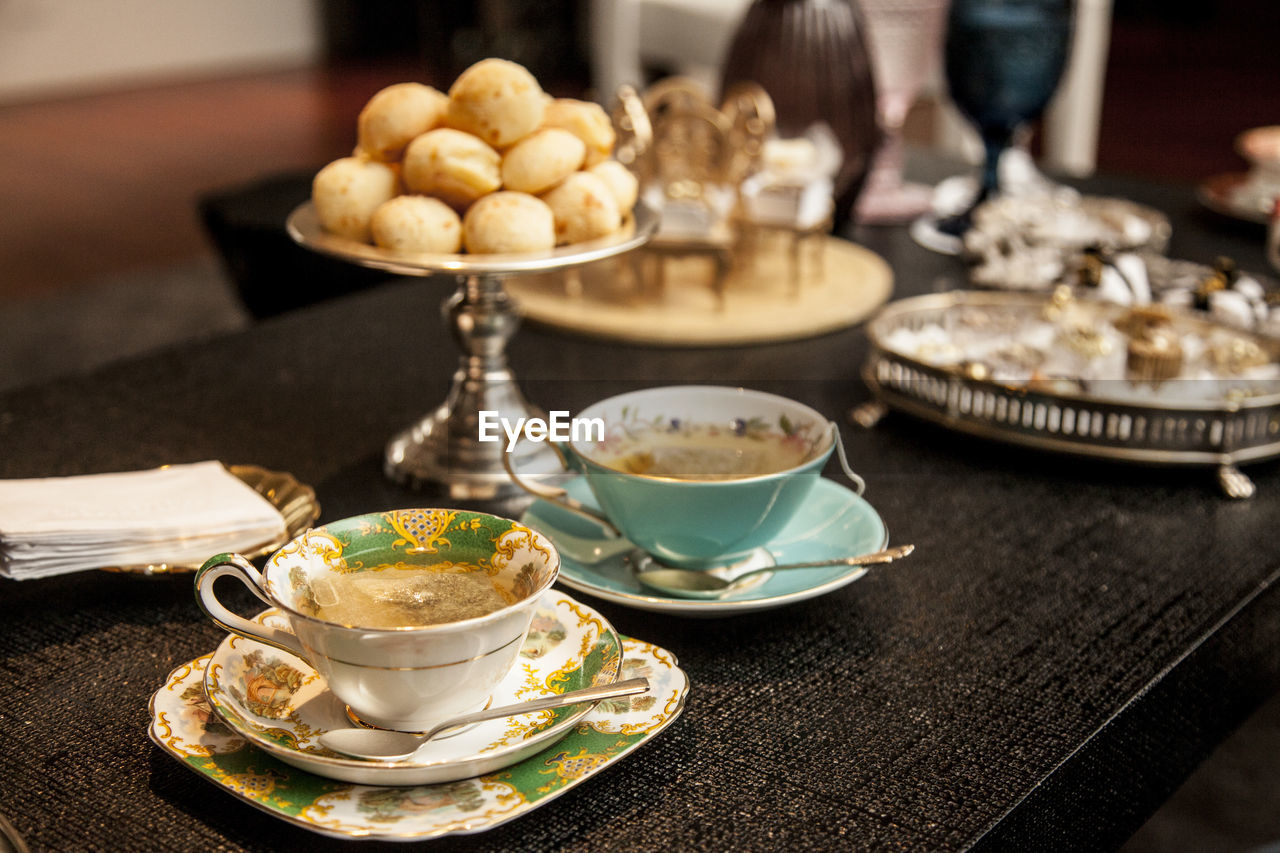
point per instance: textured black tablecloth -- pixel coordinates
(1069, 640)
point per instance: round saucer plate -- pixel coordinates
(294, 500)
(1219, 195)
(281, 705)
(832, 522)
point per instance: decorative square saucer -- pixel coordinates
(390, 806)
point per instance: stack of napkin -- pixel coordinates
(176, 515)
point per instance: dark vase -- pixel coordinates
(810, 56)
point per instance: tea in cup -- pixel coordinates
(698, 476)
(411, 616)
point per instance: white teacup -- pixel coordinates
(406, 678)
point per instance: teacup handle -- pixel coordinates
(859, 484)
(233, 565)
(558, 496)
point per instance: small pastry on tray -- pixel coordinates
(1154, 355)
(541, 160)
(417, 223)
(347, 192)
(394, 116)
(585, 120)
(453, 166)
(1136, 321)
(498, 101)
(584, 208)
(509, 222)
(620, 180)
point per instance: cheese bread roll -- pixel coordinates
(396, 115)
(585, 120)
(509, 222)
(621, 181)
(496, 100)
(453, 166)
(416, 223)
(347, 191)
(583, 207)
(542, 160)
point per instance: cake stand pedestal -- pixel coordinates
(443, 448)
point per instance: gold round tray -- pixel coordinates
(294, 500)
(765, 298)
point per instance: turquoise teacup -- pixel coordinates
(698, 476)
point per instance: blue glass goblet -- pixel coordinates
(1004, 59)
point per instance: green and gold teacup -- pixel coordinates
(698, 476)
(411, 616)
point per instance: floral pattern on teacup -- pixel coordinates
(633, 426)
(521, 546)
(266, 687)
(423, 529)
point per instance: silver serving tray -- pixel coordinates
(1222, 433)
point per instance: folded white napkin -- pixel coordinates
(177, 515)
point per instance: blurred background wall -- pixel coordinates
(51, 48)
(115, 119)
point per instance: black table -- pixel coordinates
(1069, 640)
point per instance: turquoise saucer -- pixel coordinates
(832, 522)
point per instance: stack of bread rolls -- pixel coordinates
(495, 166)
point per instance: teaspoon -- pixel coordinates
(590, 551)
(387, 745)
(692, 583)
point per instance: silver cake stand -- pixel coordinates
(444, 448)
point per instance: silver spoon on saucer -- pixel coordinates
(387, 745)
(580, 549)
(693, 583)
